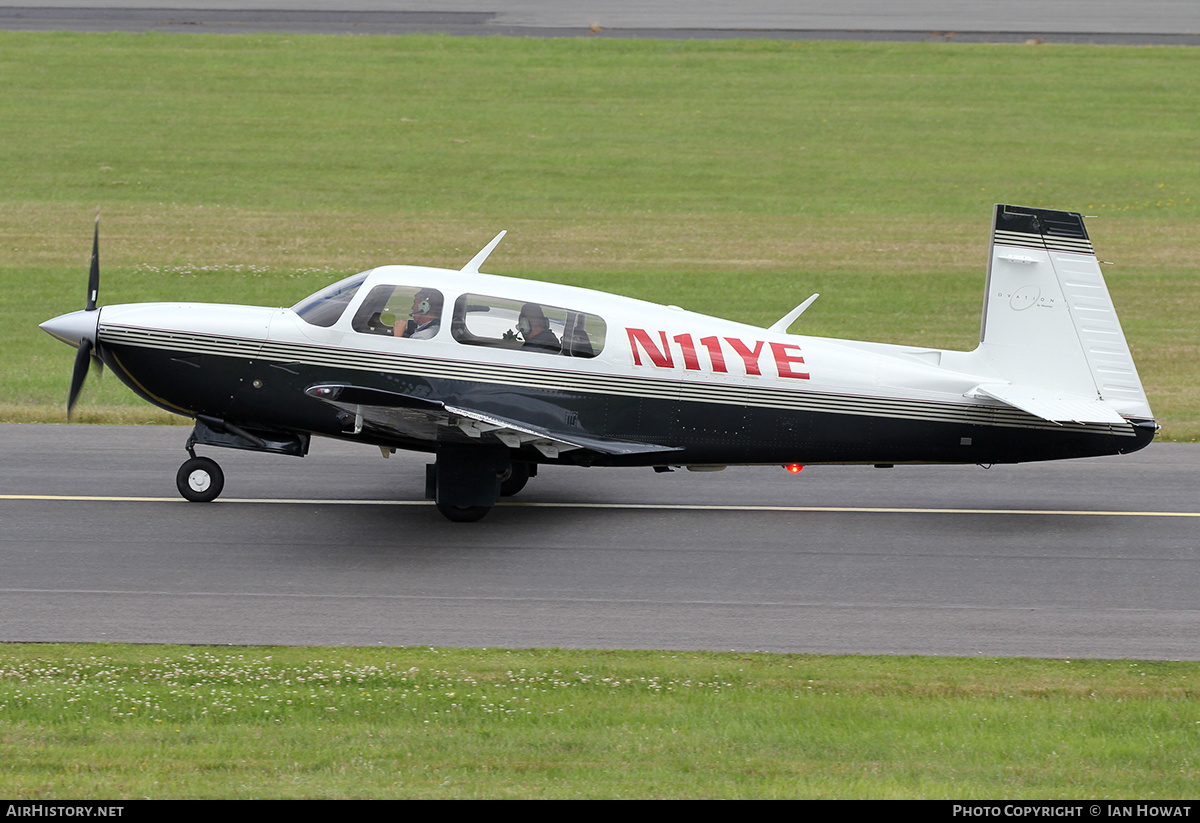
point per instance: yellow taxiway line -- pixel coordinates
(80, 498)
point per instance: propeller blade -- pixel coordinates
(94, 273)
(83, 357)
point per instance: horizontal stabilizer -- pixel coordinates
(1053, 406)
(408, 417)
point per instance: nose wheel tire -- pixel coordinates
(200, 480)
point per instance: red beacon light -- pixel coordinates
(794, 468)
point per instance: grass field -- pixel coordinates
(734, 178)
(168, 722)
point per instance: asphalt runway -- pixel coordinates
(1092, 558)
(1151, 22)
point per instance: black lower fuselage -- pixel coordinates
(268, 394)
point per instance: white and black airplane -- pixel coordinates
(496, 375)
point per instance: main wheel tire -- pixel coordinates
(463, 514)
(518, 476)
(200, 480)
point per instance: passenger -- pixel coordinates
(425, 317)
(535, 329)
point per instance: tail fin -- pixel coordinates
(1049, 326)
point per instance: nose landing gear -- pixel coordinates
(201, 480)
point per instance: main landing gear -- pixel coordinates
(467, 480)
(518, 476)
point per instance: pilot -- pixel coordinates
(535, 329)
(426, 316)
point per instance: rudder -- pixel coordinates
(1049, 325)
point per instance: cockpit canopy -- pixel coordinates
(326, 306)
(415, 311)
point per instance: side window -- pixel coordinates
(497, 321)
(400, 311)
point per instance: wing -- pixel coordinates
(432, 421)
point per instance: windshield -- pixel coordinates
(326, 306)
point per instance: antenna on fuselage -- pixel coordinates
(477, 260)
(788, 319)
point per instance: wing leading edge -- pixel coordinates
(433, 421)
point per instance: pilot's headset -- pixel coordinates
(424, 302)
(524, 326)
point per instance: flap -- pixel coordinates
(433, 421)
